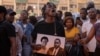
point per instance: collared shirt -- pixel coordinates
(55, 51)
(28, 28)
(86, 27)
(84, 20)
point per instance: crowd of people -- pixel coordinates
(82, 33)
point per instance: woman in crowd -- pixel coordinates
(72, 38)
(70, 30)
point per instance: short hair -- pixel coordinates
(58, 39)
(3, 10)
(90, 5)
(44, 7)
(44, 37)
(84, 9)
(69, 18)
(25, 11)
(68, 14)
(33, 19)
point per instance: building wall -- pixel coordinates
(8, 3)
(64, 5)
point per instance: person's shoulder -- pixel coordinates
(7, 24)
(97, 24)
(86, 22)
(39, 23)
(58, 23)
(16, 25)
(76, 28)
(31, 25)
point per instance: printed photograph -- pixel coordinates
(49, 45)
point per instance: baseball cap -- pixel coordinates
(11, 12)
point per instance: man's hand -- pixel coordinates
(83, 41)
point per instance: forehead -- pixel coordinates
(57, 40)
(44, 39)
(82, 11)
(92, 10)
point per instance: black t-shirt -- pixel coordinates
(49, 29)
(7, 30)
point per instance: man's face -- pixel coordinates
(57, 43)
(44, 42)
(83, 14)
(1, 15)
(23, 15)
(92, 14)
(10, 18)
(50, 11)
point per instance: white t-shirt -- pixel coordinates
(18, 30)
(86, 27)
(19, 35)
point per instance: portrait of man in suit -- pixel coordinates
(56, 50)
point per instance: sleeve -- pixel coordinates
(60, 30)
(10, 30)
(34, 34)
(84, 28)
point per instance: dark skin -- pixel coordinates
(24, 17)
(13, 49)
(50, 16)
(10, 18)
(13, 46)
(68, 25)
(83, 14)
(1, 16)
(89, 37)
(69, 28)
(92, 16)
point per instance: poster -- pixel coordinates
(49, 45)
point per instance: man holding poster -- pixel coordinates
(49, 25)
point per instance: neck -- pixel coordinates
(24, 21)
(49, 19)
(84, 18)
(93, 20)
(69, 28)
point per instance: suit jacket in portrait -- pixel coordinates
(59, 53)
